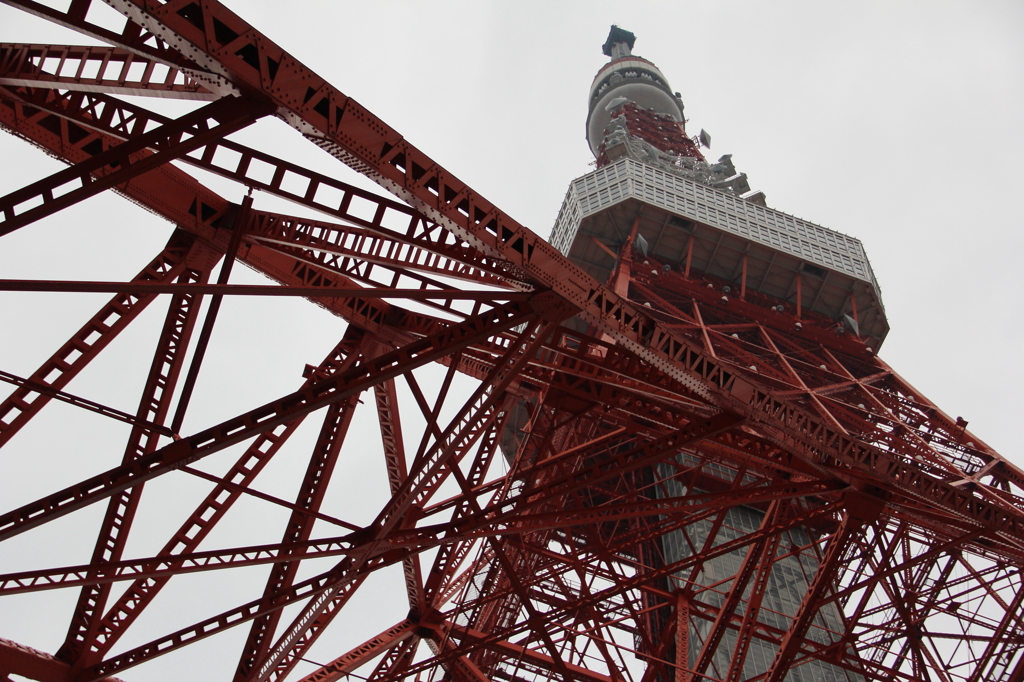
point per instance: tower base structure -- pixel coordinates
(663, 448)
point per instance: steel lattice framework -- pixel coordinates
(664, 417)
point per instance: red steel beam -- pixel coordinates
(216, 504)
(394, 659)
(1009, 623)
(311, 493)
(96, 69)
(450, 557)
(822, 582)
(365, 652)
(506, 512)
(202, 343)
(419, 249)
(522, 653)
(323, 605)
(71, 185)
(131, 37)
(87, 342)
(569, 605)
(682, 638)
(219, 480)
(390, 422)
(908, 407)
(166, 190)
(167, 565)
(154, 406)
(745, 633)
(521, 519)
(756, 556)
(257, 290)
(84, 403)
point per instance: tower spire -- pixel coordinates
(633, 112)
(627, 78)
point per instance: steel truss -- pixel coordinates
(529, 518)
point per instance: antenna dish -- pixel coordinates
(640, 244)
(615, 104)
(704, 138)
(851, 324)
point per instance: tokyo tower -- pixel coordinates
(657, 446)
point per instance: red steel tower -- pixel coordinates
(659, 447)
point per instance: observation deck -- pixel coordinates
(700, 229)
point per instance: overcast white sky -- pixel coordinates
(896, 122)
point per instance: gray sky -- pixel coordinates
(895, 122)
